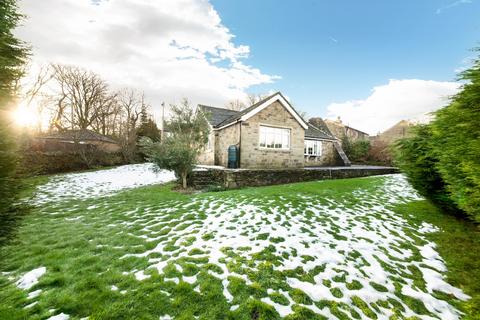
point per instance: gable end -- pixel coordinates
(276, 97)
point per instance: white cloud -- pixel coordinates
(452, 5)
(170, 49)
(409, 99)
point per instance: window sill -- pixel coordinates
(274, 150)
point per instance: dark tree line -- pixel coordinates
(13, 54)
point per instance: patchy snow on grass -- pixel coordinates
(100, 183)
(346, 255)
(428, 228)
(61, 316)
(30, 278)
(359, 257)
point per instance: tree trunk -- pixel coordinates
(184, 180)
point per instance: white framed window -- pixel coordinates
(274, 138)
(313, 148)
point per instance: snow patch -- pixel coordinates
(30, 305)
(100, 183)
(30, 278)
(428, 228)
(140, 275)
(61, 316)
(34, 294)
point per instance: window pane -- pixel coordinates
(285, 142)
(270, 140)
(278, 138)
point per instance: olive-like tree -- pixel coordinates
(187, 135)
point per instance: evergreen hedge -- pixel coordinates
(13, 54)
(442, 159)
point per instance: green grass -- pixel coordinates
(88, 246)
(458, 244)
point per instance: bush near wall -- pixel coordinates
(37, 163)
(357, 150)
(380, 152)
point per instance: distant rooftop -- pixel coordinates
(77, 135)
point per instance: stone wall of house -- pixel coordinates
(207, 157)
(339, 130)
(252, 156)
(329, 156)
(231, 179)
(400, 130)
(223, 139)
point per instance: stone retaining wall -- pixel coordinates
(231, 179)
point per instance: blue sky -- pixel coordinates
(334, 51)
(372, 63)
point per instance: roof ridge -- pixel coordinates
(221, 108)
(248, 109)
(323, 130)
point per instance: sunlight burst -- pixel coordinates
(25, 116)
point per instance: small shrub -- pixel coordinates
(178, 152)
(357, 151)
(380, 152)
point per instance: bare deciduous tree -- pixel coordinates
(236, 105)
(256, 97)
(131, 103)
(84, 97)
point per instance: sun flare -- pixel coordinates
(25, 117)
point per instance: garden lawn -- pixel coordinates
(346, 249)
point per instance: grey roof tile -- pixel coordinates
(217, 115)
(80, 135)
(317, 133)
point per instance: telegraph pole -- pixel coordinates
(163, 121)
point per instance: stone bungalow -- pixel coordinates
(72, 140)
(269, 134)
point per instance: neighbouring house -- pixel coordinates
(72, 140)
(401, 129)
(268, 134)
(340, 130)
